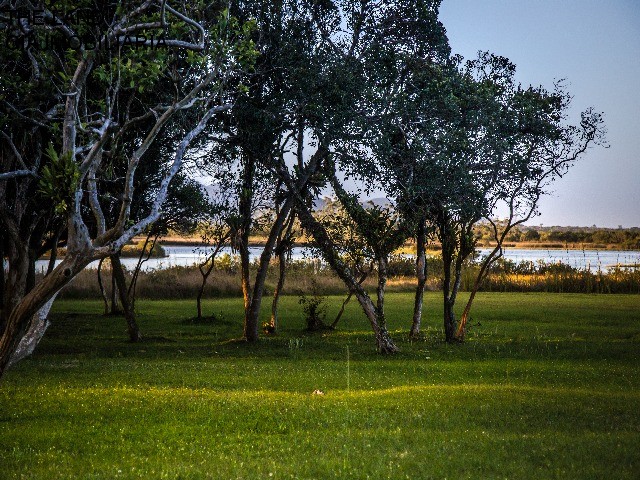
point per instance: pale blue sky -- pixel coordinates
(595, 45)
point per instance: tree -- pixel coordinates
(348, 242)
(215, 231)
(543, 146)
(87, 108)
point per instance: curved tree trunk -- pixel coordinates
(421, 275)
(39, 325)
(252, 315)
(205, 272)
(282, 271)
(127, 304)
(484, 268)
(384, 342)
(449, 317)
(19, 319)
(363, 277)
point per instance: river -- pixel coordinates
(186, 255)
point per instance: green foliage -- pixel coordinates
(59, 180)
(314, 308)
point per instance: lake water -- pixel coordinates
(185, 255)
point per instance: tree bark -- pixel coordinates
(449, 317)
(383, 273)
(101, 286)
(2, 279)
(462, 326)
(127, 305)
(242, 241)
(363, 277)
(421, 275)
(19, 319)
(205, 275)
(37, 329)
(115, 304)
(282, 271)
(252, 316)
(384, 342)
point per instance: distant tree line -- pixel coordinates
(624, 238)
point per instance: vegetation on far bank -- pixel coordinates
(573, 238)
(313, 276)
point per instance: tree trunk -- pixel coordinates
(19, 319)
(421, 275)
(245, 201)
(342, 307)
(449, 318)
(115, 304)
(384, 342)
(54, 251)
(383, 269)
(363, 277)
(282, 271)
(462, 327)
(252, 316)
(101, 286)
(2, 278)
(125, 300)
(205, 275)
(39, 325)
(16, 281)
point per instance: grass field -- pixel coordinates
(547, 386)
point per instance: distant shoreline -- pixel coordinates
(257, 242)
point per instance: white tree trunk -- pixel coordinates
(39, 324)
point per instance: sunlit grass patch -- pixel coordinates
(547, 386)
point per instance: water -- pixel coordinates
(594, 260)
(187, 255)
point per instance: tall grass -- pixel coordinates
(303, 276)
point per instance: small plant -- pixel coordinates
(295, 344)
(314, 308)
(268, 328)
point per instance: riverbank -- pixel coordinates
(314, 277)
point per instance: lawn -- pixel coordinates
(547, 386)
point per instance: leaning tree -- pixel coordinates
(84, 99)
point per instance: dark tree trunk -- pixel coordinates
(252, 316)
(383, 273)
(54, 251)
(16, 281)
(127, 305)
(19, 319)
(31, 272)
(282, 271)
(205, 272)
(421, 275)
(115, 303)
(242, 241)
(101, 286)
(384, 341)
(363, 277)
(2, 279)
(449, 318)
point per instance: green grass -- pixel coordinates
(547, 386)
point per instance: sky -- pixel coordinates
(595, 47)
